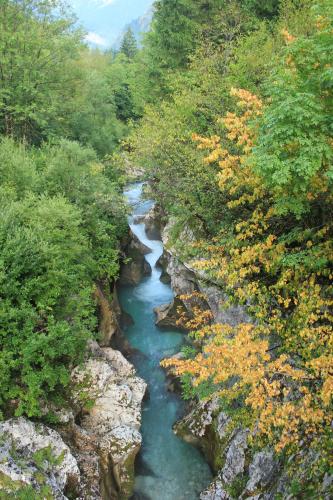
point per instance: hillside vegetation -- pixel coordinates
(237, 142)
(63, 110)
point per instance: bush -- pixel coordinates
(61, 219)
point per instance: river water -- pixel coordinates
(167, 468)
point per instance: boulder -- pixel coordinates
(110, 395)
(118, 452)
(153, 223)
(137, 244)
(163, 264)
(32, 455)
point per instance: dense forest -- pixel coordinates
(228, 109)
(239, 150)
(63, 110)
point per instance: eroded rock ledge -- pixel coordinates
(134, 266)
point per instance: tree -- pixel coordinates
(37, 46)
(264, 8)
(294, 151)
(129, 45)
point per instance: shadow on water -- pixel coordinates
(167, 468)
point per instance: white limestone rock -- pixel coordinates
(215, 491)
(262, 470)
(21, 439)
(114, 418)
(197, 421)
(235, 457)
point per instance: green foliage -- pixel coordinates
(263, 8)
(76, 173)
(43, 460)
(17, 172)
(202, 391)
(15, 490)
(163, 143)
(58, 233)
(36, 78)
(62, 211)
(237, 486)
(128, 45)
(294, 154)
(45, 291)
(93, 120)
(62, 214)
(175, 32)
(110, 95)
(51, 85)
(45, 457)
(189, 352)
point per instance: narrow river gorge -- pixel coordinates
(167, 467)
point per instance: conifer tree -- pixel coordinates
(129, 45)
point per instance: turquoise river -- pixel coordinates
(167, 467)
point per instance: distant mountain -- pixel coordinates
(139, 26)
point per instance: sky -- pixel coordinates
(104, 20)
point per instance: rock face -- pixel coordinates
(135, 265)
(235, 456)
(32, 455)
(224, 446)
(183, 280)
(101, 432)
(215, 491)
(232, 315)
(109, 314)
(239, 476)
(208, 429)
(167, 315)
(153, 222)
(110, 398)
(262, 470)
